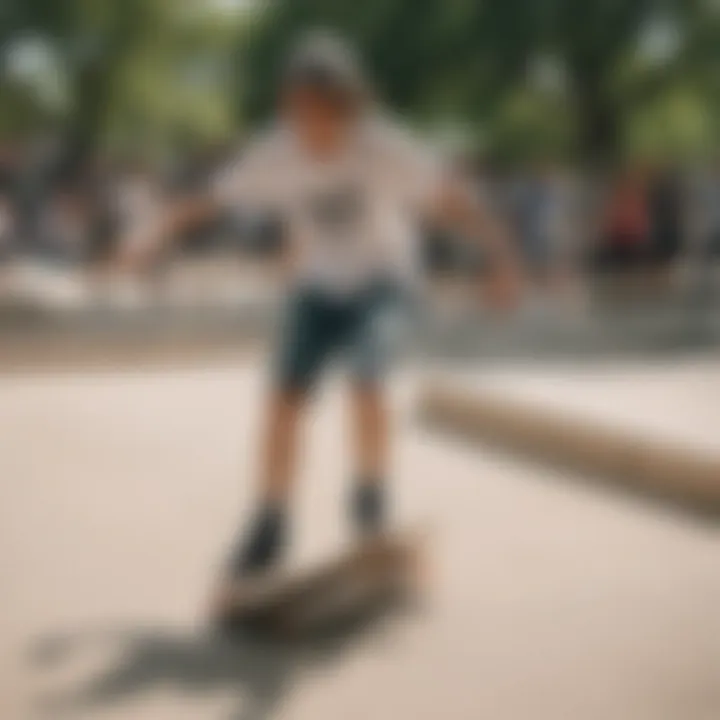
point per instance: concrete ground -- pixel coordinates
(119, 492)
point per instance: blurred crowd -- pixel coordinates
(640, 220)
(637, 221)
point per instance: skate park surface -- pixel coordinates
(551, 596)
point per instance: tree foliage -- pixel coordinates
(475, 57)
(584, 77)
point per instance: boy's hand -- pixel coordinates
(463, 209)
(139, 250)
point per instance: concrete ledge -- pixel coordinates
(641, 464)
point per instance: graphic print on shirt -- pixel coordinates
(337, 212)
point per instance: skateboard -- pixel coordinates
(380, 573)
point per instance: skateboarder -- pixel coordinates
(352, 186)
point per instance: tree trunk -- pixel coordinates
(599, 125)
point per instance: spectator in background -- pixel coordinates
(64, 227)
(625, 235)
(543, 205)
(8, 171)
(7, 243)
(705, 203)
(103, 225)
(527, 203)
(666, 208)
(453, 264)
(139, 201)
(7, 228)
(9, 181)
(560, 227)
(713, 205)
(703, 228)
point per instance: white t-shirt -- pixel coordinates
(351, 219)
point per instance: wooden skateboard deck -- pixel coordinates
(378, 573)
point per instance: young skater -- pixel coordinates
(352, 187)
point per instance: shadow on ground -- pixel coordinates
(256, 674)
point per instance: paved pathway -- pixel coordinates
(118, 492)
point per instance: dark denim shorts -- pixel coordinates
(362, 329)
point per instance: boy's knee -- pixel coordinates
(290, 395)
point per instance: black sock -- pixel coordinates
(368, 506)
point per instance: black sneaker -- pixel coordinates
(256, 554)
(368, 508)
(262, 547)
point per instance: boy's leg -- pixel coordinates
(304, 347)
(266, 538)
(371, 440)
(279, 446)
(371, 352)
(371, 425)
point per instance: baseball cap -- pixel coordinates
(324, 60)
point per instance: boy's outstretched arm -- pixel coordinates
(459, 207)
(138, 251)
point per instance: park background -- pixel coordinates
(566, 454)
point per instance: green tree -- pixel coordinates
(471, 57)
(131, 71)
